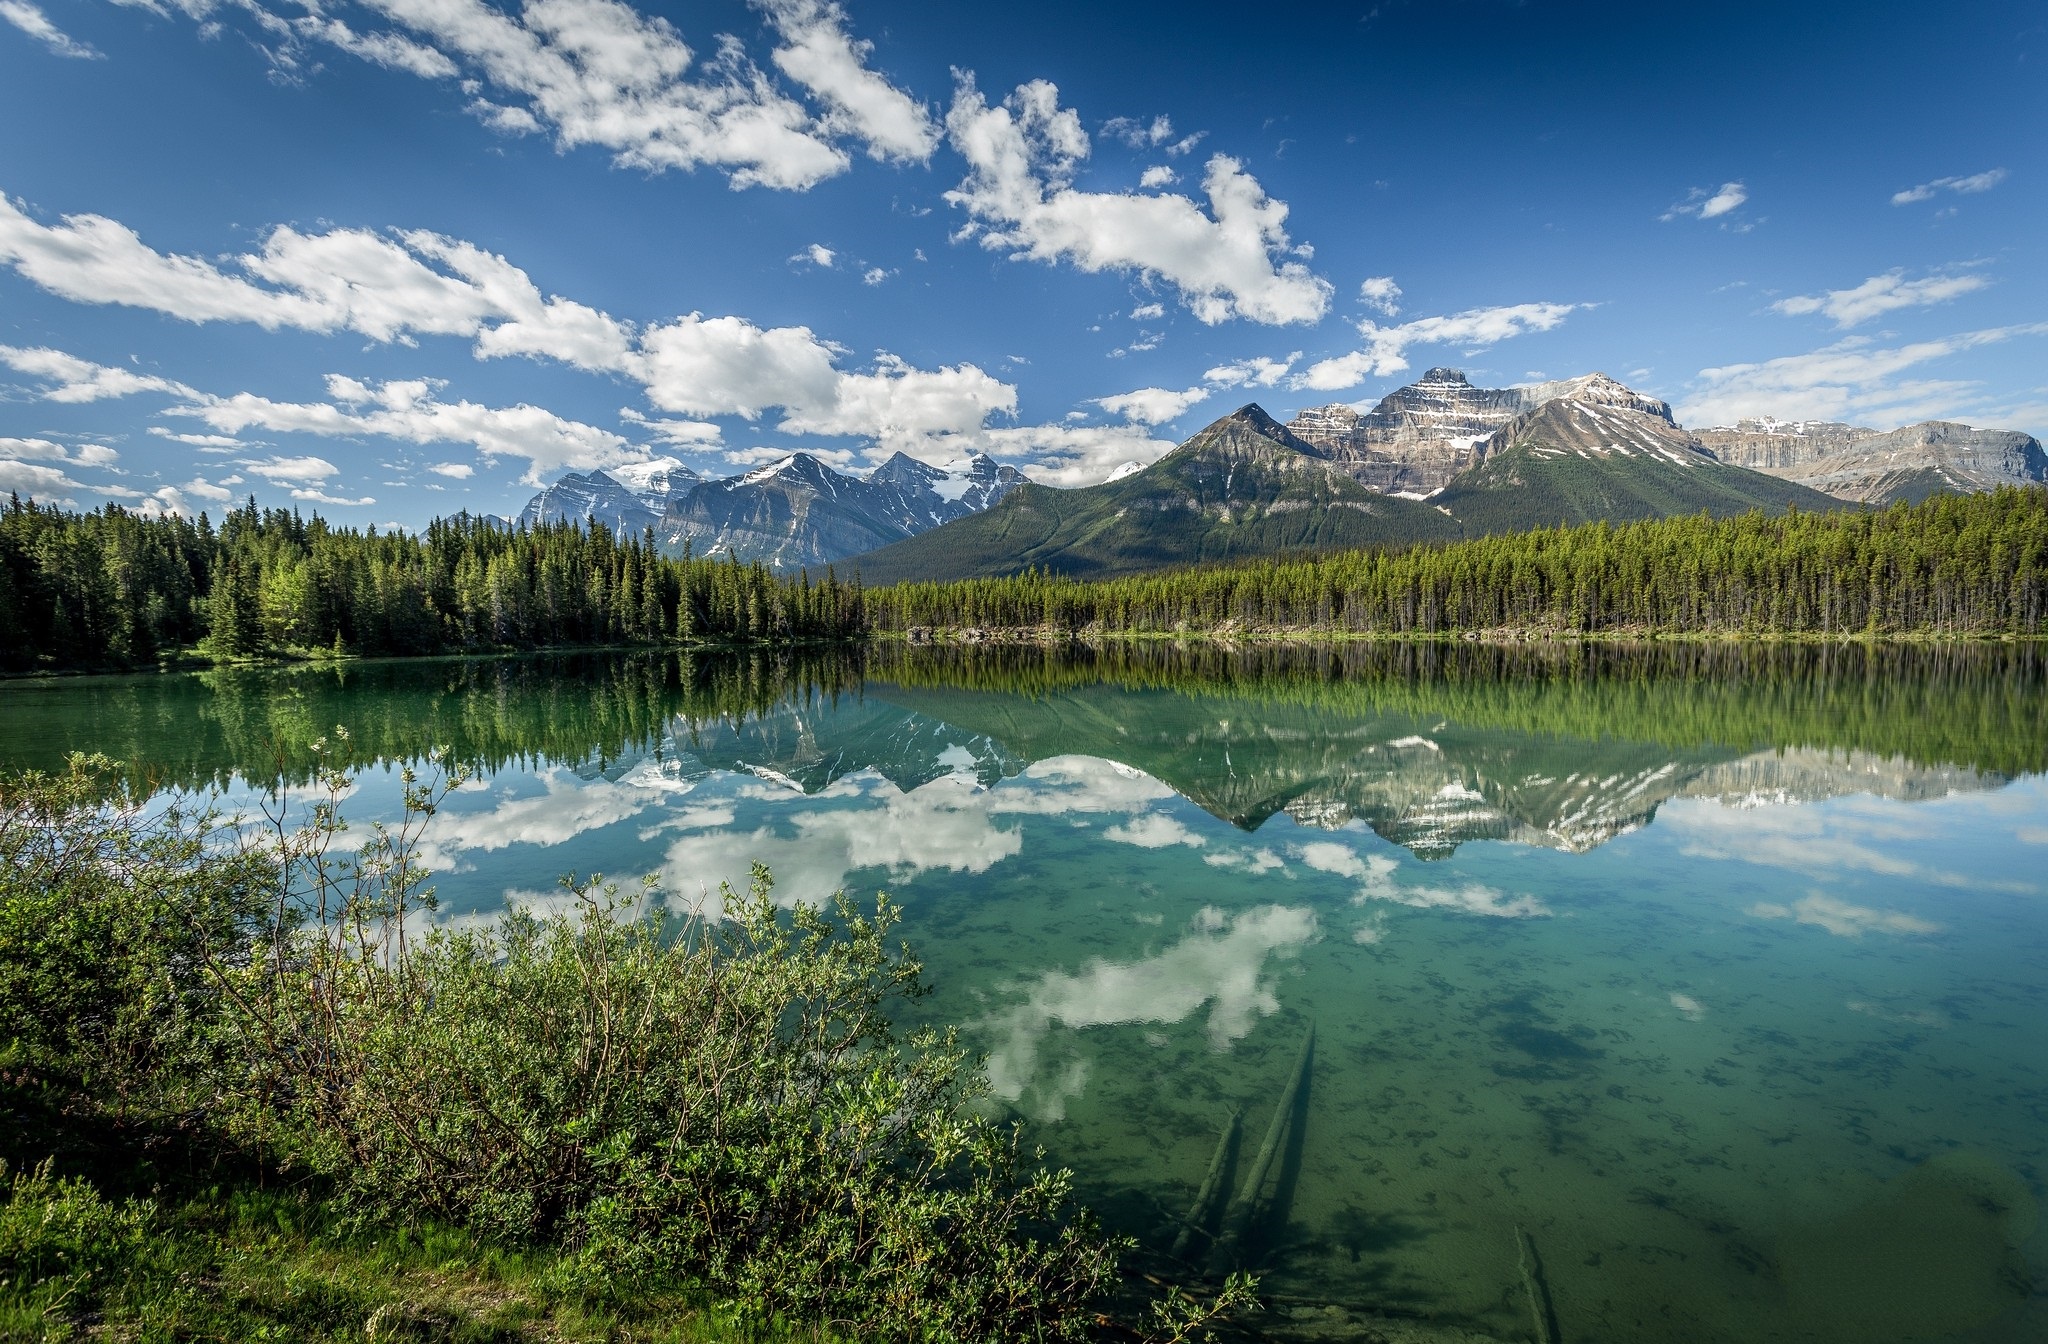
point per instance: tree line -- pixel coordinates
(114, 588)
(1952, 565)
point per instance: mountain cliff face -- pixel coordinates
(794, 512)
(1571, 461)
(1422, 435)
(1870, 467)
(1244, 486)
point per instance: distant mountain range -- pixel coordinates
(1437, 460)
(793, 512)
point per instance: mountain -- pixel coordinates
(1244, 486)
(1570, 461)
(1873, 467)
(793, 512)
(628, 504)
(1249, 486)
(1422, 435)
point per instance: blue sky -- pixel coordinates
(393, 259)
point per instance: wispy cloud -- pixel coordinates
(1853, 379)
(1708, 202)
(1882, 294)
(31, 20)
(1962, 186)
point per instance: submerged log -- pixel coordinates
(1237, 1220)
(1541, 1315)
(1212, 1186)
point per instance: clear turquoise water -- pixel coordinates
(1726, 983)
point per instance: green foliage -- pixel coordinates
(115, 589)
(59, 1240)
(1952, 565)
(111, 911)
(724, 1097)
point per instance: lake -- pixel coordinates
(1693, 992)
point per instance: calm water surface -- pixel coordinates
(1720, 975)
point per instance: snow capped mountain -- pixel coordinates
(1872, 467)
(626, 499)
(790, 512)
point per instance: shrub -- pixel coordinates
(60, 1242)
(113, 912)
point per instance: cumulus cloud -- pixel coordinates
(31, 20)
(817, 254)
(291, 470)
(1019, 197)
(1153, 831)
(1158, 175)
(1708, 203)
(599, 73)
(819, 54)
(1385, 350)
(1219, 964)
(1964, 186)
(410, 411)
(1854, 379)
(67, 378)
(1381, 294)
(1882, 294)
(1152, 405)
(406, 284)
(391, 287)
(1258, 371)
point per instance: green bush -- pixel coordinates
(725, 1098)
(114, 913)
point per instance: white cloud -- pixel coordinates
(292, 470)
(1843, 919)
(1381, 294)
(344, 280)
(874, 275)
(36, 24)
(1018, 194)
(314, 496)
(1965, 186)
(454, 471)
(33, 480)
(72, 379)
(1148, 312)
(392, 288)
(1153, 831)
(1707, 203)
(817, 254)
(675, 433)
(1375, 875)
(206, 443)
(1073, 455)
(1258, 371)
(1881, 294)
(1385, 351)
(1152, 405)
(818, 53)
(1220, 964)
(1850, 380)
(1139, 134)
(1158, 175)
(602, 74)
(410, 412)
